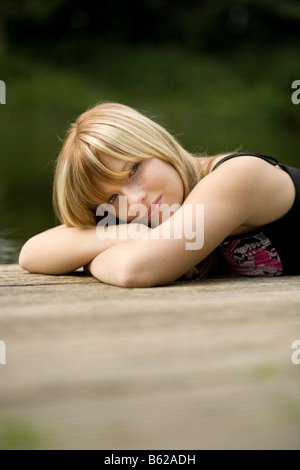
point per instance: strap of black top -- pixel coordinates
(271, 160)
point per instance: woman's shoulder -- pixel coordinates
(213, 162)
(240, 159)
(264, 191)
(242, 174)
(250, 168)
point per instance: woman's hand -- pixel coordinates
(192, 272)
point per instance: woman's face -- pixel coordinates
(149, 182)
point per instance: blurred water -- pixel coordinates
(9, 248)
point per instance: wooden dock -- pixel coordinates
(192, 365)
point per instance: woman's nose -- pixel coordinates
(135, 195)
(136, 201)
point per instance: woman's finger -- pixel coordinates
(188, 274)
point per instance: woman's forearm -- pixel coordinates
(111, 266)
(64, 249)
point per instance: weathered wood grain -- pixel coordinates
(192, 365)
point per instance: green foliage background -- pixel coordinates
(217, 74)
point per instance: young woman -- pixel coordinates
(241, 210)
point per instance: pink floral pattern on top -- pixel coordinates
(252, 256)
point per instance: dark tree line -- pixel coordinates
(194, 24)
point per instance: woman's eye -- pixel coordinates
(134, 168)
(132, 171)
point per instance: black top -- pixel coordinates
(271, 249)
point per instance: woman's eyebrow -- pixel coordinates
(123, 168)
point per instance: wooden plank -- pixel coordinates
(195, 364)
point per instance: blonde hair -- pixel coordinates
(119, 131)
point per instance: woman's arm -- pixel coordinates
(62, 249)
(231, 197)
